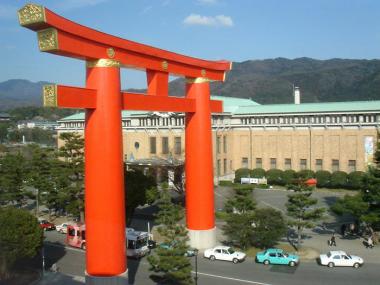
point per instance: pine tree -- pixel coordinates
(300, 208)
(171, 261)
(12, 175)
(240, 209)
(72, 153)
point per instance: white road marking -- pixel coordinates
(234, 279)
(269, 205)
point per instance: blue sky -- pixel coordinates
(235, 30)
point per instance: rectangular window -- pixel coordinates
(352, 165)
(225, 166)
(303, 164)
(225, 144)
(165, 145)
(152, 145)
(273, 163)
(244, 162)
(177, 145)
(288, 163)
(218, 168)
(218, 144)
(318, 164)
(259, 163)
(335, 165)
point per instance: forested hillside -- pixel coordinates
(265, 81)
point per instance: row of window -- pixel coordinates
(219, 167)
(152, 122)
(165, 147)
(219, 142)
(303, 164)
(334, 119)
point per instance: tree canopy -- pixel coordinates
(20, 237)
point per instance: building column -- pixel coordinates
(200, 216)
(104, 178)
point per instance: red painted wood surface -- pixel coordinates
(199, 166)
(104, 176)
(75, 40)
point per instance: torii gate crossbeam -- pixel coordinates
(103, 101)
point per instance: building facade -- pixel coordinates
(317, 136)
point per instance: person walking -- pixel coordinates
(370, 242)
(332, 240)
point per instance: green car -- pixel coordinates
(277, 256)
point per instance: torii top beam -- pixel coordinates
(63, 37)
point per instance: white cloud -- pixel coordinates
(146, 10)
(8, 12)
(207, 2)
(74, 4)
(217, 21)
(224, 20)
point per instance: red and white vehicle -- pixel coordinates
(46, 225)
(136, 241)
(76, 235)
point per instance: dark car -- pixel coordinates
(46, 225)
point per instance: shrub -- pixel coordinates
(338, 179)
(241, 172)
(323, 178)
(258, 173)
(355, 180)
(306, 174)
(275, 176)
(225, 183)
(262, 186)
(288, 176)
(243, 189)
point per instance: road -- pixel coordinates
(72, 262)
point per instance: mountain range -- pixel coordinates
(268, 81)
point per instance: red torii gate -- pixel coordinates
(103, 101)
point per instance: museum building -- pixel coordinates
(318, 136)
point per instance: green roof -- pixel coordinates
(246, 106)
(310, 107)
(230, 104)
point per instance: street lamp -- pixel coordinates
(196, 266)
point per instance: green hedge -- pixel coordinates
(242, 172)
(306, 174)
(355, 180)
(323, 178)
(289, 176)
(258, 173)
(225, 183)
(338, 179)
(275, 176)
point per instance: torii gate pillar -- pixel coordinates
(104, 176)
(199, 167)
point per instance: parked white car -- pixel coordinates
(224, 253)
(62, 228)
(340, 258)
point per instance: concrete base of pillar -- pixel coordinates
(202, 239)
(121, 279)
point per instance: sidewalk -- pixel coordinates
(317, 243)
